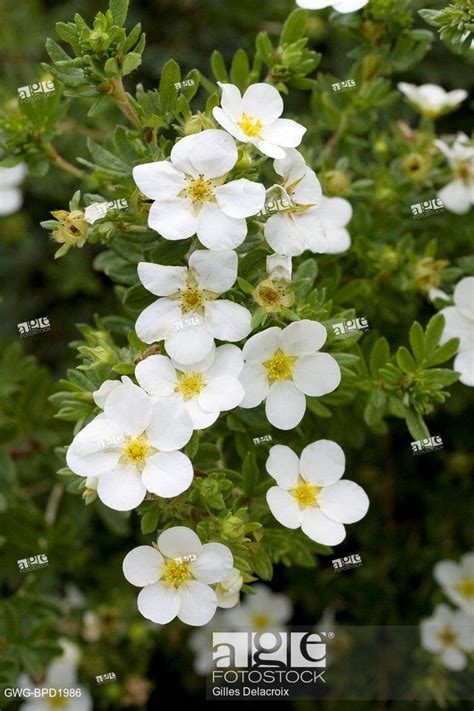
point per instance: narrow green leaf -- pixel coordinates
(417, 341)
(240, 70)
(416, 425)
(294, 27)
(170, 76)
(433, 332)
(218, 67)
(405, 360)
(379, 356)
(130, 63)
(119, 9)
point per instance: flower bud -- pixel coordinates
(428, 273)
(416, 166)
(233, 527)
(336, 182)
(197, 123)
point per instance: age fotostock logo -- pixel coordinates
(266, 664)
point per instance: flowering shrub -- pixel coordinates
(274, 324)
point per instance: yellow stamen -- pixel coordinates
(251, 126)
(260, 621)
(176, 571)
(199, 189)
(463, 170)
(57, 702)
(448, 637)
(192, 299)
(466, 587)
(305, 494)
(280, 366)
(136, 450)
(190, 384)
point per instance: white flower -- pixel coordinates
(312, 221)
(189, 314)
(228, 591)
(449, 633)
(457, 581)
(460, 324)
(309, 494)
(11, 198)
(279, 267)
(204, 389)
(176, 576)
(282, 366)
(458, 195)
(339, 5)
(131, 447)
(61, 674)
(189, 194)
(255, 118)
(432, 100)
(263, 612)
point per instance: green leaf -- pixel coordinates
(262, 565)
(250, 473)
(379, 356)
(240, 70)
(294, 27)
(119, 9)
(416, 425)
(405, 360)
(130, 63)
(67, 32)
(56, 52)
(149, 522)
(443, 353)
(169, 253)
(206, 455)
(265, 48)
(417, 341)
(170, 75)
(433, 333)
(138, 298)
(218, 67)
(106, 159)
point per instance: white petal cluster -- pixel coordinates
(459, 323)
(176, 576)
(309, 494)
(458, 195)
(457, 581)
(449, 634)
(11, 198)
(432, 100)
(339, 5)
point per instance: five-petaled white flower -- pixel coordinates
(457, 581)
(284, 365)
(255, 118)
(132, 447)
(11, 198)
(458, 195)
(205, 389)
(189, 314)
(311, 221)
(339, 5)
(459, 323)
(450, 634)
(309, 493)
(176, 576)
(190, 196)
(432, 100)
(262, 612)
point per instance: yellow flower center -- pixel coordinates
(466, 587)
(192, 299)
(305, 494)
(176, 571)
(280, 366)
(136, 450)
(251, 126)
(190, 384)
(57, 702)
(260, 621)
(463, 170)
(199, 189)
(448, 637)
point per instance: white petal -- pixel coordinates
(344, 501)
(464, 364)
(316, 374)
(12, 175)
(303, 337)
(284, 132)
(240, 198)
(338, 240)
(159, 603)
(179, 541)
(262, 101)
(198, 603)
(201, 418)
(335, 212)
(429, 632)
(229, 124)
(317, 526)
(283, 465)
(227, 321)
(173, 218)
(130, 407)
(464, 297)
(168, 474)
(101, 394)
(446, 572)
(11, 201)
(221, 394)
(456, 197)
(96, 448)
(263, 345)
(282, 234)
(142, 566)
(322, 462)
(255, 382)
(214, 271)
(218, 231)
(170, 427)
(349, 5)
(292, 167)
(231, 100)
(284, 507)
(162, 280)
(159, 179)
(190, 345)
(198, 366)
(457, 326)
(228, 361)
(285, 405)
(122, 489)
(269, 149)
(454, 659)
(158, 321)
(212, 153)
(310, 229)
(213, 564)
(157, 375)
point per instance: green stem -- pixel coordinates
(120, 96)
(335, 138)
(56, 159)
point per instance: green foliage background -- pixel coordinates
(395, 379)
